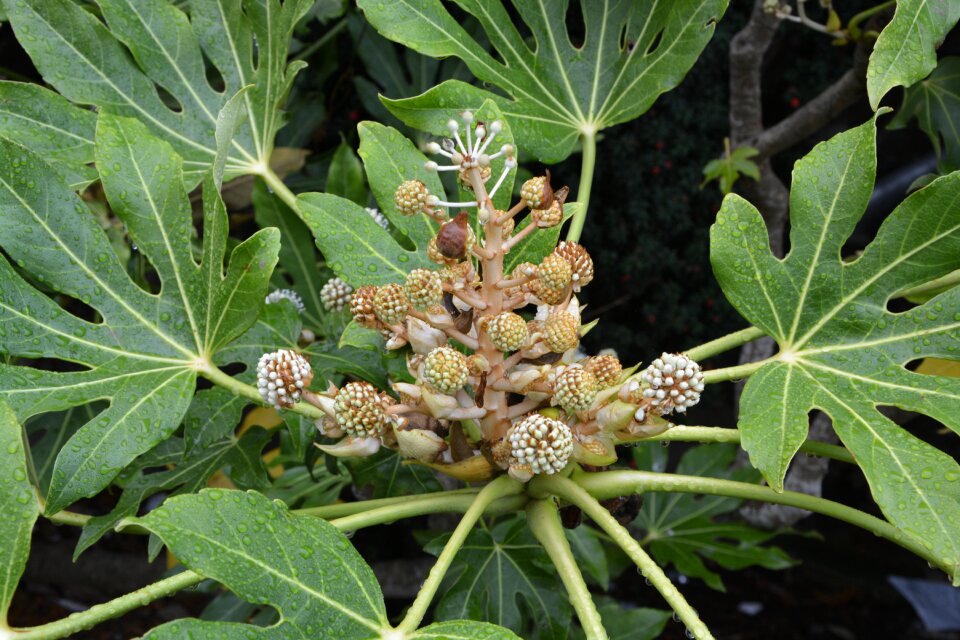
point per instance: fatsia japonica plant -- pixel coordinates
(446, 342)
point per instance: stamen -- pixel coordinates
(481, 133)
(489, 139)
(463, 149)
(507, 166)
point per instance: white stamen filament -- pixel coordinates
(486, 142)
(503, 176)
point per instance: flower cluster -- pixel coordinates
(493, 352)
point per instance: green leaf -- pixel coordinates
(48, 432)
(906, 50)
(935, 103)
(298, 254)
(145, 44)
(590, 554)
(727, 169)
(47, 124)
(389, 477)
(631, 624)
(536, 247)
(345, 176)
(144, 355)
(496, 570)
(301, 565)
(631, 53)
(19, 506)
(841, 351)
(464, 630)
(681, 529)
(298, 488)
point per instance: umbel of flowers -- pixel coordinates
(499, 382)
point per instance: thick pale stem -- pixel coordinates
(738, 372)
(516, 238)
(544, 521)
(681, 433)
(572, 492)
(215, 375)
(620, 483)
(282, 191)
(725, 343)
(499, 488)
(588, 142)
(414, 508)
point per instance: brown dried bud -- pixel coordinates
(456, 237)
(361, 306)
(580, 262)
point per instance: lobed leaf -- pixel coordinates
(906, 50)
(841, 351)
(142, 357)
(302, 566)
(19, 506)
(935, 103)
(147, 60)
(555, 90)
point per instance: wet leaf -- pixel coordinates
(935, 103)
(841, 351)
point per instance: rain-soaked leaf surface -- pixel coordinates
(841, 350)
(906, 50)
(19, 507)
(118, 63)
(555, 90)
(935, 103)
(302, 566)
(141, 352)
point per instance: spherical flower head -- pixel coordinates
(674, 382)
(548, 217)
(445, 370)
(606, 369)
(424, 289)
(411, 197)
(507, 331)
(465, 180)
(579, 260)
(506, 229)
(361, 306)
(286, 294)
(537, 193)
(561, 332)
(554, 272)
(539, 444)
(391, 304)
(335, 294)
(359, 409)
(575, 389)
(282, 376)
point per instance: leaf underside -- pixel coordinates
(632, 52)
(842, 351)
(140, 351)
(147, 60)
(935, 103)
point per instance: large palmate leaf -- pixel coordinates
(681, 529)
(494, 571)
(935, 103)
(46, 123)
(632, 51)
(143, 351)
(302, 566)
(841, 351)
(148, 61)
(906, 50)
(388, 476)
(19, 506)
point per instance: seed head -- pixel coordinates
(286, 294)
(546, 294)
(575, 389)
(549, 217)
(554, 272)
(361, 306)
(579, 260)
(561, 332)
(359, 409)
(539, 444)
(674, 383)
(606, 369)
(537, 192)
(335, 294)
(507, 331)
(282, 376)
(445, 370)
(424, 289)
(411, 197)
(454, 273)
(391, 304)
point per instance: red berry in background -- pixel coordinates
(658, 145)
(651, 318)
(667, 164)
(354, 115)
(655, 171)
(709, 303)
(794, 102)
